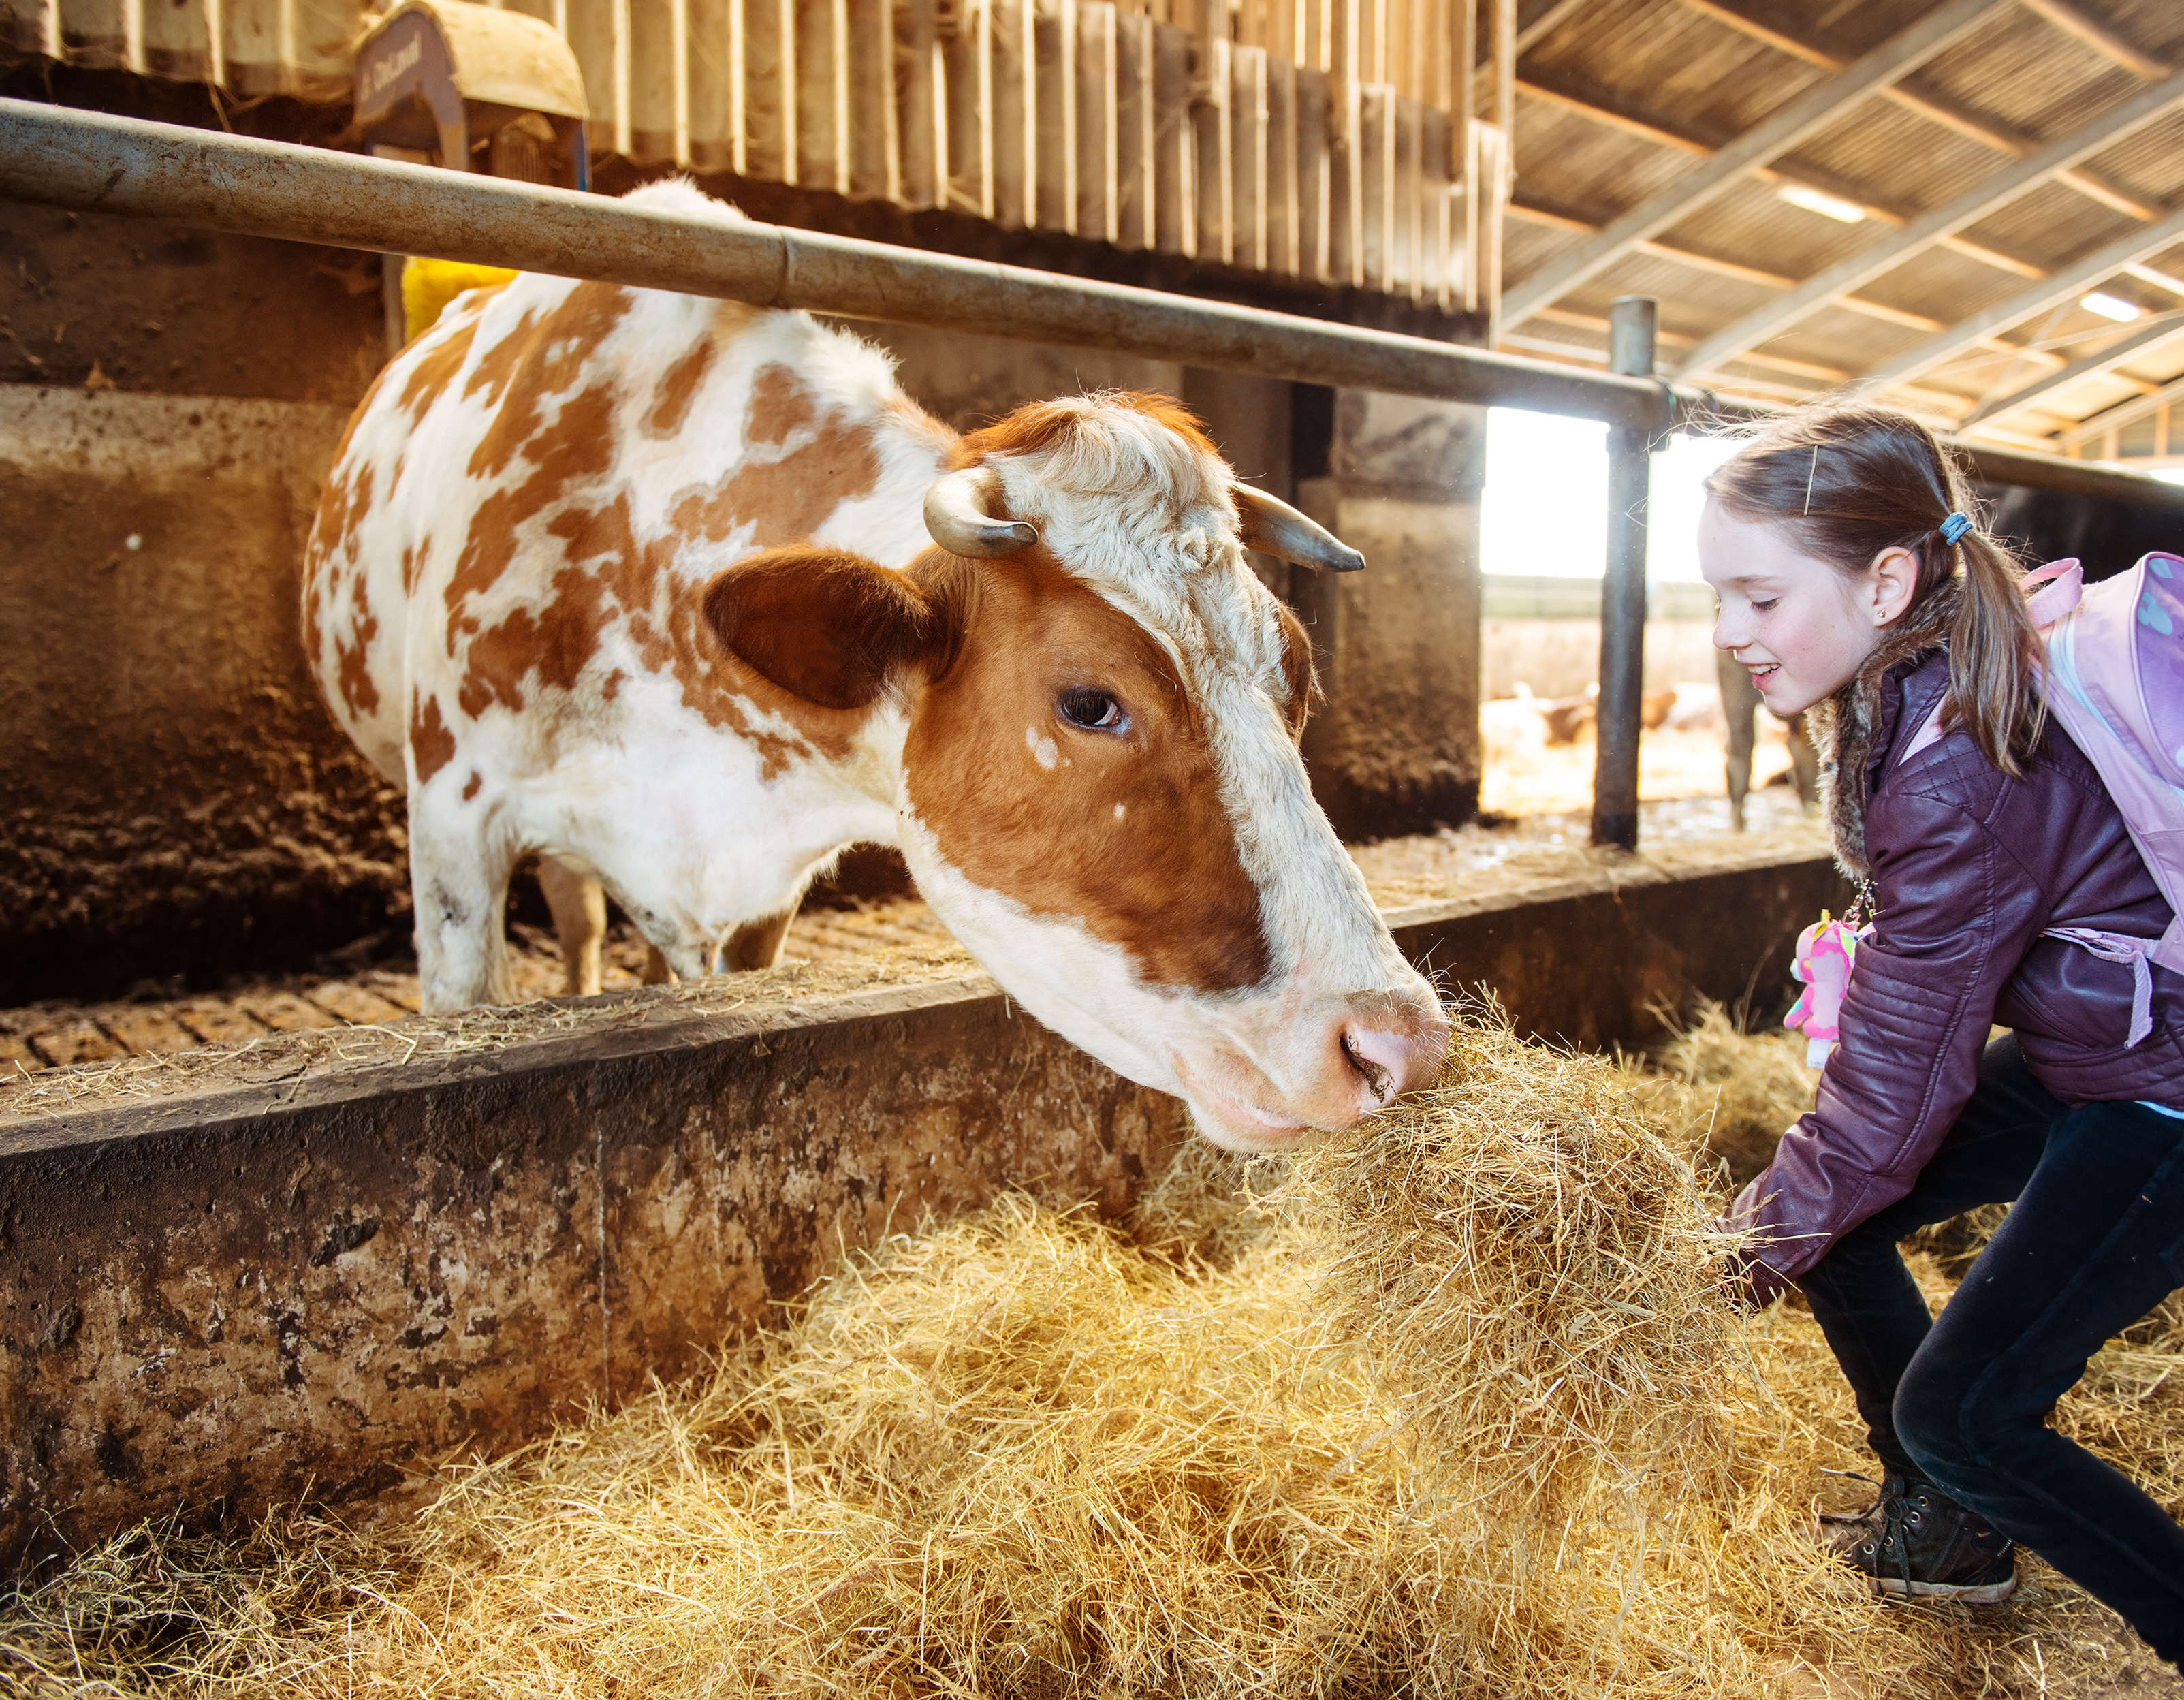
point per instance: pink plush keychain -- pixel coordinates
(1825, 950)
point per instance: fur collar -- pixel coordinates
(1847, 724)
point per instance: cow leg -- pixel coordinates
(579, 904)
(757, 944)
(459, 884)
(1740, 703)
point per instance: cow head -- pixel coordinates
(1100, 791)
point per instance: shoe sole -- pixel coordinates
(1964, 1593)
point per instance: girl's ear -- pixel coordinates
(1895, 578)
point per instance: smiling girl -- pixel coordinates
(1853, 583)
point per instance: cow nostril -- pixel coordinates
(1377, 1078)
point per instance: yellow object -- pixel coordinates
(429, 285)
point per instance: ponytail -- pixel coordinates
(1994, 653)
(1854, 480)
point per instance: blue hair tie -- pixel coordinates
(1955, 526)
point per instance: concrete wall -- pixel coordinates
(177, 802)
(224, 1300)
(1394, 748)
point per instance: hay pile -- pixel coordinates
(1457, 1408)
(1728, 1093)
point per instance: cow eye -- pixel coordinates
(1093, 710)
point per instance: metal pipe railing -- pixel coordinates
(94, 162)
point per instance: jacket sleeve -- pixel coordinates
(1956, 913)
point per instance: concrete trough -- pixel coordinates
(257, 1290)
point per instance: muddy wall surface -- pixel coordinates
(304, 1291)
(1395, 748)
(176, 804)
(219, 1302)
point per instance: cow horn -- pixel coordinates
(957, 514)
(1274, 528)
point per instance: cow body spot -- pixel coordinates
(431, 745)
(436, 368)
(671, 402)
(780, 406)
(785, 500)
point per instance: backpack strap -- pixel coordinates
(1928, 734)
(2120, 947)
(2060, 587)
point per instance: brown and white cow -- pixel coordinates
(649, 585)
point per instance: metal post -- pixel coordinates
(1632, 322)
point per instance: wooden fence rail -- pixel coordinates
(1334, 140)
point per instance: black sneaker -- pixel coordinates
(1916, 1544)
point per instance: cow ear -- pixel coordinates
(1297, 672)
(827, 626)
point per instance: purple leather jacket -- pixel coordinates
(1969, 869)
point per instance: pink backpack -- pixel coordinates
(2115, 681)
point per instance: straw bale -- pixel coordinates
(1455, 1407)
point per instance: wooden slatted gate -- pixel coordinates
(1333, 140)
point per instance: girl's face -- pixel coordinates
(1800, 627)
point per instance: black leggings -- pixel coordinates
(2094, 1241)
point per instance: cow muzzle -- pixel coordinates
(1349, 1060)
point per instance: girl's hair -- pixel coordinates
(1852, 481)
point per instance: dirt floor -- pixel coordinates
(1557, 778)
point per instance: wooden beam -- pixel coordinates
(1602, 107)
(2167, 328)
(1553, 218)
(1504, 12)
(1987, 256)
(1796, 123)
(1942, 223)
(2122, 413)
(2099, 37)
(1531, 35)
(1532, 213)
(1713, 263)
(2084, 273)
(1782, 33)
(2160, 280)
(1886, 314)
(1591, 322)
(1785, 36)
